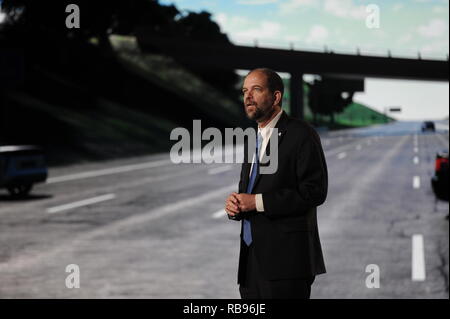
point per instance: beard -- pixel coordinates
(258, 114)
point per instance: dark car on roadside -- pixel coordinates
(428, 126)
(21, 166)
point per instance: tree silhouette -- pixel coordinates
(40, 25)
(99, 18)
(326, 101)
(200, 27)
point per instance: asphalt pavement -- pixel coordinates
(144, 227)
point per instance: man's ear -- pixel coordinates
(278, 97)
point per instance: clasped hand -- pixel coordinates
(238, 203)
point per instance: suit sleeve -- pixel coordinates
(311, 182)
(242, 215)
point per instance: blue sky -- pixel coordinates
(406, 28)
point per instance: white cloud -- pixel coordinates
(255, 2)
(292, 38)
(345, 9)
(437, 48)
(243, 30)
(221, 19)
(291, 6)
(231, 24)
(379, 33)
(318, 34)
(405, 39)
(397, 7)
(434, 29)
(318, 28)
(440, 9)
(265, 30)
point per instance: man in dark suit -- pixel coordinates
(280, 247)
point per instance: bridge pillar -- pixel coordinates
(296, 95)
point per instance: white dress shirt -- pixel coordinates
(265, 132)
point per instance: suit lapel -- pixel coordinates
(246, 170)
(281, 126)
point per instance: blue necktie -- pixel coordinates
(247, 236)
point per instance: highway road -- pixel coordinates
(146, 228)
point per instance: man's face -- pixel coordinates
(258, 100)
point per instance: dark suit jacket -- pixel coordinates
(285, 236)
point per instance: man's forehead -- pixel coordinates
(256, 77)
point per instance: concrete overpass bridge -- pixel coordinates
(296, 63)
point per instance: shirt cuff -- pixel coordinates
(259, 203)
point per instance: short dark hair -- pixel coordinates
(274, 81)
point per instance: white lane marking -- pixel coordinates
(107, 171)
(342, 155)
(416, 160)
(416, 150)
(136, 182)
(218, 170)
(115, 227)
(358, 147)
(219, 214)
(342, 148)
(366, 181)
(418, 258)
(416, 182)
(80, 203)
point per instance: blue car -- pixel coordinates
(21, 166)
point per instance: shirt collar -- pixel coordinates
(266, 130)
